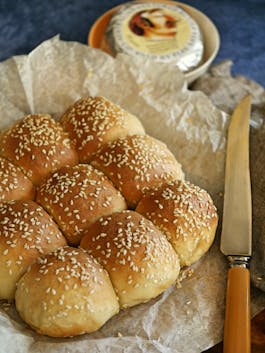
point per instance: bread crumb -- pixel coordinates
(184, 274)
(6, 306)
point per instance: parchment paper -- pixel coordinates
(188, 319)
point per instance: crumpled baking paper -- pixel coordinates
(186, 318)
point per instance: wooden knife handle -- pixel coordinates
(237, 315)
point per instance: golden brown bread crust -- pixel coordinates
(26, 232)
(186, 214)
(76, 197)
(14, 185)
(66, 293)
(91, 122)
(140, 261)
(38, 145)
(137, 163)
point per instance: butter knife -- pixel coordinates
(236, 231)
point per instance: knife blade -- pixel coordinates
(236, 231)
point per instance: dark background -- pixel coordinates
(26, 23)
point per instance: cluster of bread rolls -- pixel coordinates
(95, 216)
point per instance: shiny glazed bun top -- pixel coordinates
(14, 185)
(137, 163)
(66, 293)
(26, 232)
(94, 121)
(186, 214)
(77, 196)
(38, 145)
(139, 259)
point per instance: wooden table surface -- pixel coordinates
(257, 336)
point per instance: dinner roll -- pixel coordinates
(140, 261)
(26, 232)
(137, 163)
(186, 214)
(14, 185)
(38, 145)
(76, 197)
(66, 293)
(93, 121)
